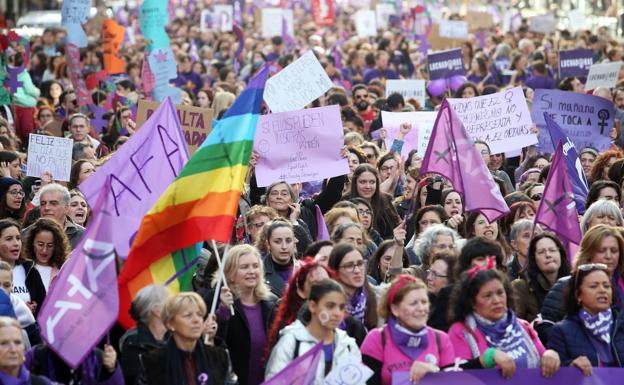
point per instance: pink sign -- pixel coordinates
(300, 146)
(75, 71)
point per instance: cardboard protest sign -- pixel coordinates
(443, 65)
(585, 119)
(366, 23)
(409, 89)
(480, 20)
(454, 29)
(418, 138)
(603, 75)
(300, 146)
(543, 23)
(273, 19)
(223, 17)
(439, 42)
(49, 153)
(575, 63)
(323, 12)
(112, 36)
(75, 13)
(502, 120)
(297, 85)
(196, 122)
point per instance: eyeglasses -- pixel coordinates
(351, 266)
(17, 193)
(537, 197)
(590, 267)
(365, 212)
(360, 96)
(370, 156)
(435, 274)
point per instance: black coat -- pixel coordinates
(135, 342)
(34, 283)
(235, 332)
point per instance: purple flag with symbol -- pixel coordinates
(451, 154)
(139, 172)
(83, 302)
(300, 371)
(557, 210)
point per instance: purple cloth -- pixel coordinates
(538, 81)
(190, 80)
(23, 378)
(412, 344)
(599, 327)
(357, 304)
(256, 344)
(374, 73)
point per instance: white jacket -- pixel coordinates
(284, 351)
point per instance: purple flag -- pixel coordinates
(322, 234)
(451, 154)
(575, 62)
(139, 172)
(300, 371)
(557, 210)
(83, 302)
(445, 64)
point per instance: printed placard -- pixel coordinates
(603, 75)
(408, 88)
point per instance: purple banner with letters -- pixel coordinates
(585, 119)
(568, 376)
(443, 65)
(575, 63)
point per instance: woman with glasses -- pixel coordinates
(601, 244)
(47, 246)
(547, 262)
(592, 333)
(435, 239)
(12, 202)
(372, 152)
(350, 267)
(535, 191)
(390, 173)
(367, 218)
(486, 330)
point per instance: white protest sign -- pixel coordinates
(454, 29)
(502, 120)
(577, 20)
(273, 19)
(205, 21)
(297, 85)
(383, 12)
(300, 146)
(418, 138)
(49, 153)
(409, 89)
(603, 75)
(366, 23)
(349, 372)
(223, 16)
(543, 23)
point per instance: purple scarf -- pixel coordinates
(508, 335)
(412, 344)
(599, 328)
(22, 378)
(357, 304)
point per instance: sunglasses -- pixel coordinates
(589, 267)
(537, 197)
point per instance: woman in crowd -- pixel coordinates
(453, 205)
(338, 216)
(78, 209)
(365, 184)
(435, 239)
(367, 218)
(255, 219)
(149, 333)
(80, 171)
(350, 267)
(547, 262)
(603, 189)
(326, 304)
(12, 369)
(517, 211)
(405, 307)
(279, 263)
(426, 216)
(592, 333)
(185, 359)
(12, 202)
(600, 167)
(244, 332)
(320, 251)
(355, 234)
(477, 225)
(47, 246)
(379, 263)
(604, 212)
(519, 239)
(485, 324)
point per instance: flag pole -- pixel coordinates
(221, 264)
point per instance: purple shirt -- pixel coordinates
(538, 81)
(258, 339)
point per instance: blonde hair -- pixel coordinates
(175, 304)
(222, 101)
(6, 267)
(591, 242)
(8, 322)
(336, 213)
(261, 291)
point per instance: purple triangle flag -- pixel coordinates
(557, 210)
(300, 371)
(453, 155)
(322, 234)
(82, 303)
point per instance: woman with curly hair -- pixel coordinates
(600, 167)
(47, 246)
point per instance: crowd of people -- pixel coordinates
(408, 281)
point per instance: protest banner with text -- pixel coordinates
(51, 154)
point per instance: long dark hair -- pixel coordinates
(61, 243)
(500, 237)
(532, 270)
(374, 268)
(479, 247)
(465, 293)
(572, 306)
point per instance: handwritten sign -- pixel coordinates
(418, 138)
(153, 17)
(409, 89)
(443, 65)
(349, 372)
(585, 119)
(196, 122)
(113, 35)
(603, 75)
(300, 146)
(297, 85)
(502, 120)
(366, 23)
(575, 63)
(273, 20)
(49, 153)
(454, 29)
(543, 23)
(223, 17)
(75, 13)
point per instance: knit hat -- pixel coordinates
(5, 183)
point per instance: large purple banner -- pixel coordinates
(567, 376)
(443, 65)
(575, 62)
(585, 119)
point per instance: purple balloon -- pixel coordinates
(437, 87)
(457, 81)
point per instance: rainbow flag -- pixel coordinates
(199, 205)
